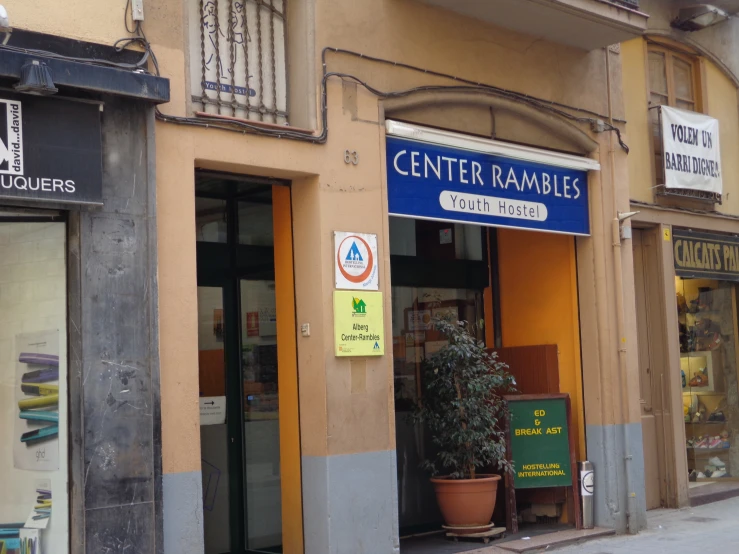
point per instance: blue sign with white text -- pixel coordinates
(429, 181)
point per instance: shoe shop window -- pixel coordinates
(708, 373)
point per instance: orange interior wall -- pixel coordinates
(538, 289)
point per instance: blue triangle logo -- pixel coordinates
(353, 255)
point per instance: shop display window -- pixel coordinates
(34, 468)
(438, 268)
(414, 338)
(708, 370)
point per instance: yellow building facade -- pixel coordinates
(281, 137)
(348, 459)
(686, 380)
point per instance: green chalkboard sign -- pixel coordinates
(540, 446)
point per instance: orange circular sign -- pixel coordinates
(370, 261)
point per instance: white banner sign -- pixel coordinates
(692, 156)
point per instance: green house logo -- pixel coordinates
(359, 306)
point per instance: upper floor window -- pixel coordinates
(237, 58)
(671, 79)
(672, 82)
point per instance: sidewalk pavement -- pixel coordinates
(708, 529)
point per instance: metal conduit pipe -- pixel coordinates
(620, 321)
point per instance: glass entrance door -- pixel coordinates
(240, 435)
(261, 415)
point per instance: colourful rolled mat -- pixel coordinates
(39, 402)
(38, 359)
(44, 375)
(43, 433)
(10, 544)
(39, 415)
(39, 389)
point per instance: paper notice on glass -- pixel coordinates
(432, 347)
(419, 320)
(450, 313)
(212, 410)
(37, 374)
(40, 502)
(30, 541)
(414, 354)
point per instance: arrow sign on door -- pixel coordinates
(213, 410)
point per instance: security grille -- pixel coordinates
(237, 58)
(628, 3)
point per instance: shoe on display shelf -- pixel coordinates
(716, 462)
(682, 305)
(699, 379)
(715, 342)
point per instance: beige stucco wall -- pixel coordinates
(399, 30)
(90, 20)
(338, 415)
(347, 407)
(433, 38)
(719, 99)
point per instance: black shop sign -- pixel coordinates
(50, 150)
(705, 255)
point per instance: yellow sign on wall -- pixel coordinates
(358, 323)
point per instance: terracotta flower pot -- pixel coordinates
(466, 502)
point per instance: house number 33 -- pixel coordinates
(351, 157)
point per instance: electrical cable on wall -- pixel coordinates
(119, 45)
(135, 28)
(469, 86)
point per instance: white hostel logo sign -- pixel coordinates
(356, 261)
(11, 138)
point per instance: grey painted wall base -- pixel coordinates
(614, 450)
(183, 513)
(350, 504)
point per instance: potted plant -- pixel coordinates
(464, 411)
